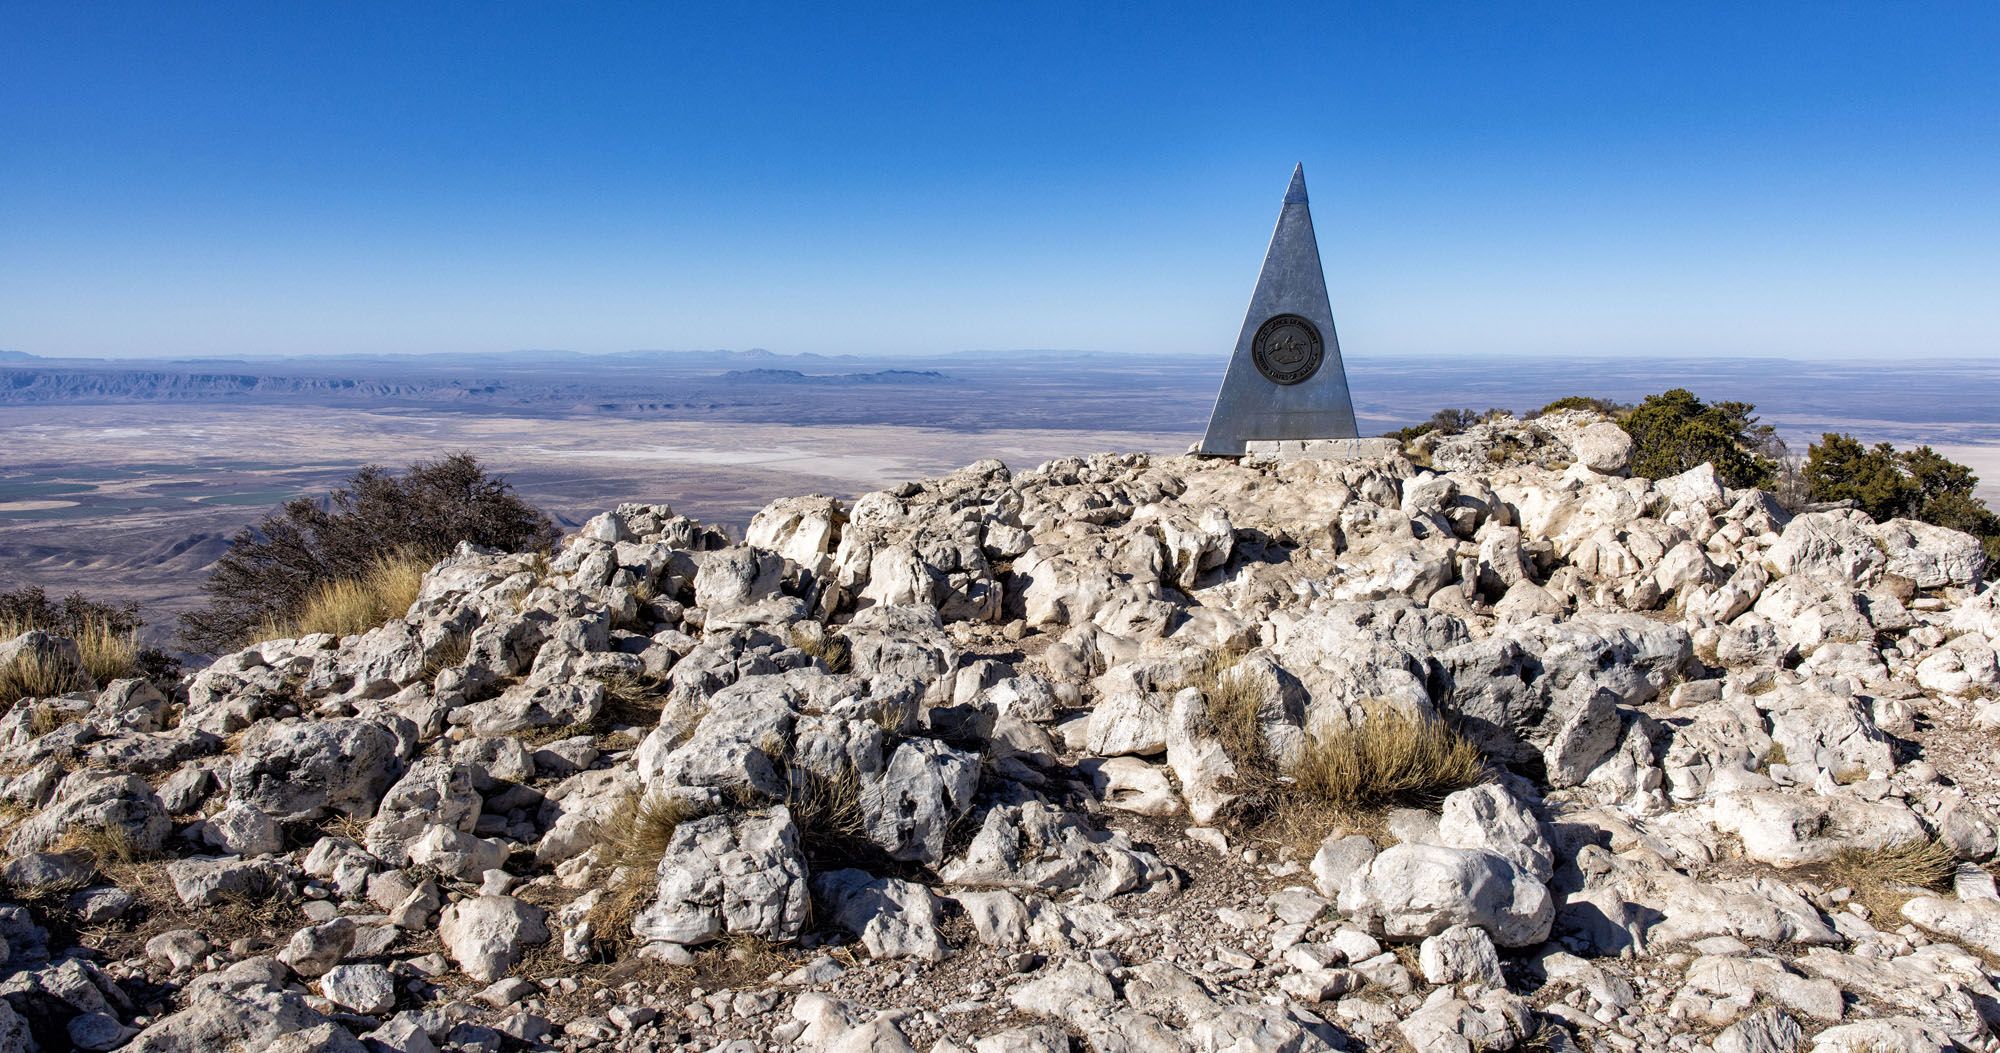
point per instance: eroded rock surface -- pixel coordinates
(960, 766)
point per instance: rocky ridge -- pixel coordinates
(933, 770)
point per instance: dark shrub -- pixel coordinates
(273, 569)
(1675, 431)
(1912, 484)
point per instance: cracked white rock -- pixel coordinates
(725, 874)
(487, 935)
(1412, 891)
(894, 918)
(366, 989)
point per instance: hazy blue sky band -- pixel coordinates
(1774, 179)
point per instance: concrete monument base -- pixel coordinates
(1321, 449)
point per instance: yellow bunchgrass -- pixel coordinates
(1235, 707)
(105, 845)
(638, 833)
(107, 655)
(1389, 756)
(355, 605)
(829, 647)
(827, 810)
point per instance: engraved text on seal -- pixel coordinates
(1287, 349)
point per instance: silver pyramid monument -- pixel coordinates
(1286, 380)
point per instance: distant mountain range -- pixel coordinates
(550, 380)
(33, 384)
(718, 358)
(880, 376)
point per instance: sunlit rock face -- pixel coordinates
(1114, 751)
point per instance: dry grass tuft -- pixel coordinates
(632, 701)
(1389, 757)
(105, 845)
(741, 961)
(1351, 778)
(34, 675)
(640, 830)
(1883, 879)
(347, 826)
(638, 833)
(357, 605)
(1925, 864)
(108, 654)
(833, 830)
(1235, 708)
(829, 647)
(447, 655)
(44, 719)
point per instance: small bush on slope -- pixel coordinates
(1582, 402)
(1675, 431)
(1444, 422)
(1671, 433)
(272, 571)
(1914, 484)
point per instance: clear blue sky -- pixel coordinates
(1817, 179)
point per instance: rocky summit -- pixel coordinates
(1010, 762)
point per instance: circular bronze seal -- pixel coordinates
(1287, 349)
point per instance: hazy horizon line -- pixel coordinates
(17, 356)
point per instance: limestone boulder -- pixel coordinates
(1132, 785)
(367, 989)
(1831, 545)
(1602, 447)
(1932, 557)
(243, 1013)
(1548, 692)
(239, 829)
(1489, 818)
(488, 935)
(1789, 830)
(893, 918)
(121, 806)
(295, 772)
(803, 530)
(924, 789)
(1129, 723)
(432, 792)
(1198, 759)
(1963, 666)
(1039, 847)
(1462, 954)
(1413, 891)
(725, 874)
